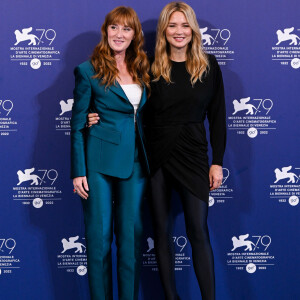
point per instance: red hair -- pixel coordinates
(136, 59)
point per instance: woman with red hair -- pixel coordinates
(108, 160)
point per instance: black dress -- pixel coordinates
(174, 126)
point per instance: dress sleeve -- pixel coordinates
(216, 115)
(82, 98)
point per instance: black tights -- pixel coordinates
(195, 214)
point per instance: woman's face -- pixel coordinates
(119, 37)
(178, 32)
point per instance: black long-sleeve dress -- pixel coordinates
(174, 125)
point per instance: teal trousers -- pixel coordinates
(119, 201)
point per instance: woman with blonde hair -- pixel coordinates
(107, 159)
(186, 87)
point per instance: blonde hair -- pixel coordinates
(197, 61)
(136, 59)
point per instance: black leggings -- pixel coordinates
(195, 214)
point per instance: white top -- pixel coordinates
(134, 94)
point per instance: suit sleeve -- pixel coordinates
(216, 115)
(82, 98)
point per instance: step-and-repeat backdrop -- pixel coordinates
(253, 216)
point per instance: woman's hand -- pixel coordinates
(93, 119)
(81, 186)
(215, 176)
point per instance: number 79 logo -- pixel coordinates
(218, 35)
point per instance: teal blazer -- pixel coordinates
(109, 146)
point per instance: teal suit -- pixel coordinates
(110, 155)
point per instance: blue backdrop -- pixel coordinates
(253, 217)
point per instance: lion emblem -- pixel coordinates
(71, 244)
(27, 176)
(243, 105)
(25, 36)
(66, 106)
(207, 39)
(241, 242)
(287, 35)
(285, 174)
(150, 242)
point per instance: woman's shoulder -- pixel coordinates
(86, 67)
(212, 60)
(214, 68)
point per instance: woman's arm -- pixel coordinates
(216, 115)
(82, 99)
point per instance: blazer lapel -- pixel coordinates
(117, 89)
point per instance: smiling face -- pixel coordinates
(178, 32)
(119, 37)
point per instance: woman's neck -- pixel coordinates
(123, 75)
(120, 59)
(178, 55)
